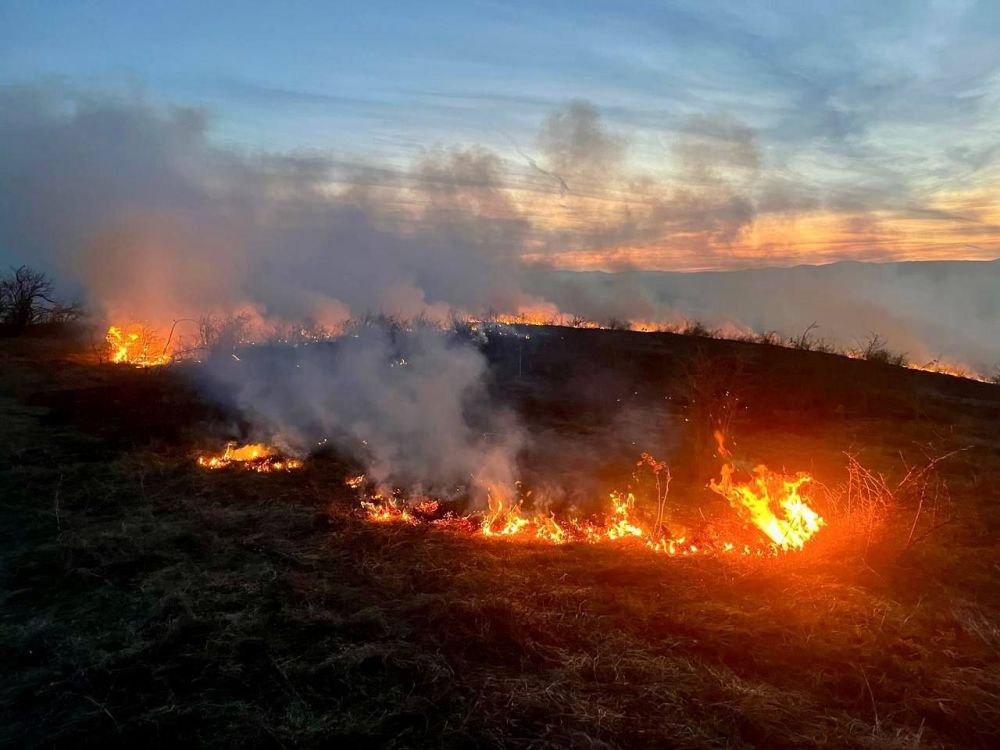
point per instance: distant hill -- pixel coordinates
(929, 309)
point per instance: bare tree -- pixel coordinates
(26, 298)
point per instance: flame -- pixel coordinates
(620, 523)
(253, 457)
(505, 519)
(772, 501)
(383, 509)
(387, 509)
(954, 369)
(136, 345)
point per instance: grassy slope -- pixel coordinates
(146, 602)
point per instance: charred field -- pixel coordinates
(148, 602)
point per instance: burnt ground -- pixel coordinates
(146, 602)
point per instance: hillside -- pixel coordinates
(148, 602)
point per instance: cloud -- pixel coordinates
(575, 143)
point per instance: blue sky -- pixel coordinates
(845, 100)
(298, 72)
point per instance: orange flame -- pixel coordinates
(772, 501)
(387, 509)
(135, 345)
(252, 457)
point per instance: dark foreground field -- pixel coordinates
(146, 602)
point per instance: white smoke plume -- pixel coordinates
(154, 222)
(152, 219)
(412, 405)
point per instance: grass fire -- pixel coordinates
(500, 375)
(136, 345)
(252, 457)
(801, 555)
(773, 503)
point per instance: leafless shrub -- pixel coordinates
(875, 349)
(298, 333)
(462, 327)
(771, 338)
(661, 480)
(27, 299)
(868, 501)
(805, 341)
(222, 335)
(697, 328)
(712, 387)
(392, 324)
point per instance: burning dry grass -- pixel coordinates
(148, 602)
(773, 503)
(256, 457)
(142, 345)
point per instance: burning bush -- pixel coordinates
(137, 345)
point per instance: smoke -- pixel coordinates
(946, 311)
(142, 211)
(412, 405)
(139, 207)
(576, 145)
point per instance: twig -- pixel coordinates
(105, 710)
(871, 694)
(916, 517)
(166, 346)
(55, 502)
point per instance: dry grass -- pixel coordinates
(146, 602)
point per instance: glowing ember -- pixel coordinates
(135, 345)
(252, 457)
(772, 501)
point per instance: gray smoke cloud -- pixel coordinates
(947, 311)
(153, 221)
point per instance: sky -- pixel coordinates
(670, 135)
